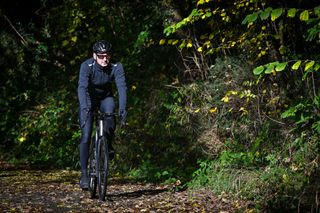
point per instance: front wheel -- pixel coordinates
(102, 167)
(92, 169)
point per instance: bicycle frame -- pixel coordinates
(99, 116)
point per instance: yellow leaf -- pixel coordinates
(199, 49)
(175, 42)
(189, 45)
(231, 92)
(304, 16)
(309, 65)
(197, 110)
(200, 2)
(133, 87)
(162, 41)
(296, 65)
(225, 99)
(213, 110)
(74, 38)
(22, 139)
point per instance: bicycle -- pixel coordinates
(98, 162)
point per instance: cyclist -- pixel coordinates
(95, 91)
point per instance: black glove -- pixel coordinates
(123, 117)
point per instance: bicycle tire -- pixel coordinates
(92, 172)
(103, 167)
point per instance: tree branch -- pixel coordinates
(15, 30)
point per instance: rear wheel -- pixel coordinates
(103, 167)
(92, 169)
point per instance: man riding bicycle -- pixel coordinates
(95, 92)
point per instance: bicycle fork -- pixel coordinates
(98, 136)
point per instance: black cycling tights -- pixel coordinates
(86, 118)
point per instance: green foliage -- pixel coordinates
(248, 111)
(280, 185)
(242, 183)
(305, 115)
(39, 137)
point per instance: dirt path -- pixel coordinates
(58, 191)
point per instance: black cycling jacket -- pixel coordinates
(95, 83)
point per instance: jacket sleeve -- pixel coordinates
(121, 85)
(83, 87)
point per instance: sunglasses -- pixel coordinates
(103, 56)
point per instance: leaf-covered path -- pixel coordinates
(58, 191)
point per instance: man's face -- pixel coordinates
(102, 59)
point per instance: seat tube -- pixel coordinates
(100, 127)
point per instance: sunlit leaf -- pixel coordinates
(74, 38)
(243, 111)
(292, 12)
(225, 99)
(285, 178)
(22, 139)
(202, 2)
(245, 20)
(250, 18)
(276, 14)
(258, 70)
(175, 42)
(253, 17)
(183, 44)
(309, 65)
(265, 14)
(208, 14)
(281, 66)
(304, 16)
(162, 41)
(296, 65)
(270, 69)
(213, 110)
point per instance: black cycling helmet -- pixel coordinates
(102, 47)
